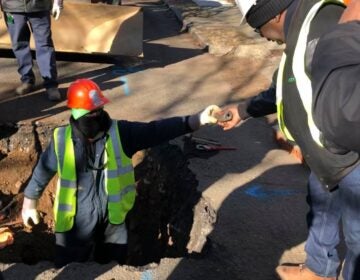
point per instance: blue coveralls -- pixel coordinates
(20, 26)
(92, 229)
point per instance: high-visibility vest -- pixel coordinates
(303, 82)
(119, 179)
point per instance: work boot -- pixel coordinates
(299, 272)
(24, 88)
(53, 94)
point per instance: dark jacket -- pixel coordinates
(336, 85)
(332, 163)
(26, 6)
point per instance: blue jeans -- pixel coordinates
(19, 30)
(327, 210)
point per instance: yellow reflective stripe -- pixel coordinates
(123, 192)
(279, 103)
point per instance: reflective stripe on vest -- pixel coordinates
(303, 83)
(65, 199)
(119, 179)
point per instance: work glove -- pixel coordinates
(56, 9)
(207, 116)
(29, 212)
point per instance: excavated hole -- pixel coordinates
(6, 130)
(170, 218)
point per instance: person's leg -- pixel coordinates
(73, 246)
(350, 199)
(67, 254)
(322, 260)
(113, 246)
(322, 257)
(45, 53)
(20, 37)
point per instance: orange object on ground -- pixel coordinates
(6, 237)
(284, 144)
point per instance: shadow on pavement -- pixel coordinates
(260, 218)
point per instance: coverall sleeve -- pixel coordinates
(136, 136)
(265, 102)
(44, 171)
(336, 86)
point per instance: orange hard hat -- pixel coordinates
(85, 94)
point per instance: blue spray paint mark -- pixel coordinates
(146, 275)
(124, 80)
(122, 72)
(259, 192)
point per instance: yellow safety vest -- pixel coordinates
(119, 179)
(303, 82)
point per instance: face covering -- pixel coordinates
(93, 123)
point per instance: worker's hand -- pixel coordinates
(29, 212)
(208, 115)
(56, 9)
(235, 121)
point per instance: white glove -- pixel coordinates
(29, 212)
(208, 115)
(56, 9)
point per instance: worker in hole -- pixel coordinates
(96, 186)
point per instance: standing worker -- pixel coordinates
(334, 185)
(23, 18)
(96, 187)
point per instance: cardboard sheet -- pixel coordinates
(94, 28)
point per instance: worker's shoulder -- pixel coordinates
(339, 47)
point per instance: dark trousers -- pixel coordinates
(20, 26)
(104, 242)
(103, 253)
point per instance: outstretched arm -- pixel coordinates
(136, 136)
(261, 105)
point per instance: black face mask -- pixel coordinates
(93, 123)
